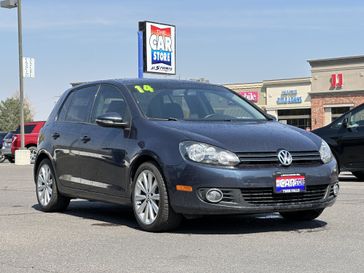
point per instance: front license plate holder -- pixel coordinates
(290, 183)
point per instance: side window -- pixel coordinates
(78, 105)
(110, 100)
(357, 118)
(28, 129)
(338, 123)
(62, 114)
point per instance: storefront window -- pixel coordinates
(338, 111)
(300, 118)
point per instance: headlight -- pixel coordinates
(208, 154)
(325, 152)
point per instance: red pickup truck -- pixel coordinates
(31, 132)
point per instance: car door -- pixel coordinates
(353, 140)
(105, 153)
(66, 135)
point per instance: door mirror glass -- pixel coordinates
(111, 119)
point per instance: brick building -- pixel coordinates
(336, 85)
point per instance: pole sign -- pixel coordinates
(28, 67)
(159, 48)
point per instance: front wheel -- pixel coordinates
(48, 196)
(150, 200)
(304, 215)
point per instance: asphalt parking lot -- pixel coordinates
(97, 237)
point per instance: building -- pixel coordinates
(336, 85)
(252, 91)
(289, 101)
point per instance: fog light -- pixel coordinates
(214, 195)
(336, 189)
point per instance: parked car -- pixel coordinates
(2, 135)
(6, 146)
(31, 132)
(345, 137)
(171, 148)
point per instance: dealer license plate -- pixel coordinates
(290, 183)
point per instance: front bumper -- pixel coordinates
(249, 190)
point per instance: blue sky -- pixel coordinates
(223, 41)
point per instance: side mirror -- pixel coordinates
(111, 120)
(345, 123)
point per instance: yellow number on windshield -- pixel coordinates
(145, 88)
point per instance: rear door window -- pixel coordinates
(78, 105)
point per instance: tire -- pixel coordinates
(10, 159)
(304, 215)
(359, 175)
(33, 153)
(150, 201)
(48, 196)
(2, 158)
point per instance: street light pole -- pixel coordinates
(9, 4)
(22, 156)
(21, 97)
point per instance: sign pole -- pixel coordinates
(140, 55)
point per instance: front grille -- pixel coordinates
(271, 158)
(267, 197)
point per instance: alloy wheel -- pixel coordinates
(33, 154)
(146, 197)
(45, 185)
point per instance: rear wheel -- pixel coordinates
(150, 200)
(304, 215)
(48, 196)
(359, 175)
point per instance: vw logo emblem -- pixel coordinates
(285, 157)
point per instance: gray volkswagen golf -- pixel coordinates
(178, 148)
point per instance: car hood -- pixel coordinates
(260, 136)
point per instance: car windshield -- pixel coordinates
(194, 102)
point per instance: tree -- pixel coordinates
(10, 113)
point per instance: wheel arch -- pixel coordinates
(40, 157)
(31, 145)
(139, 160)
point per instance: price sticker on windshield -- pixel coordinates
(144, 88)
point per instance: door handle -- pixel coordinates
(85, 139)
(56, 135)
